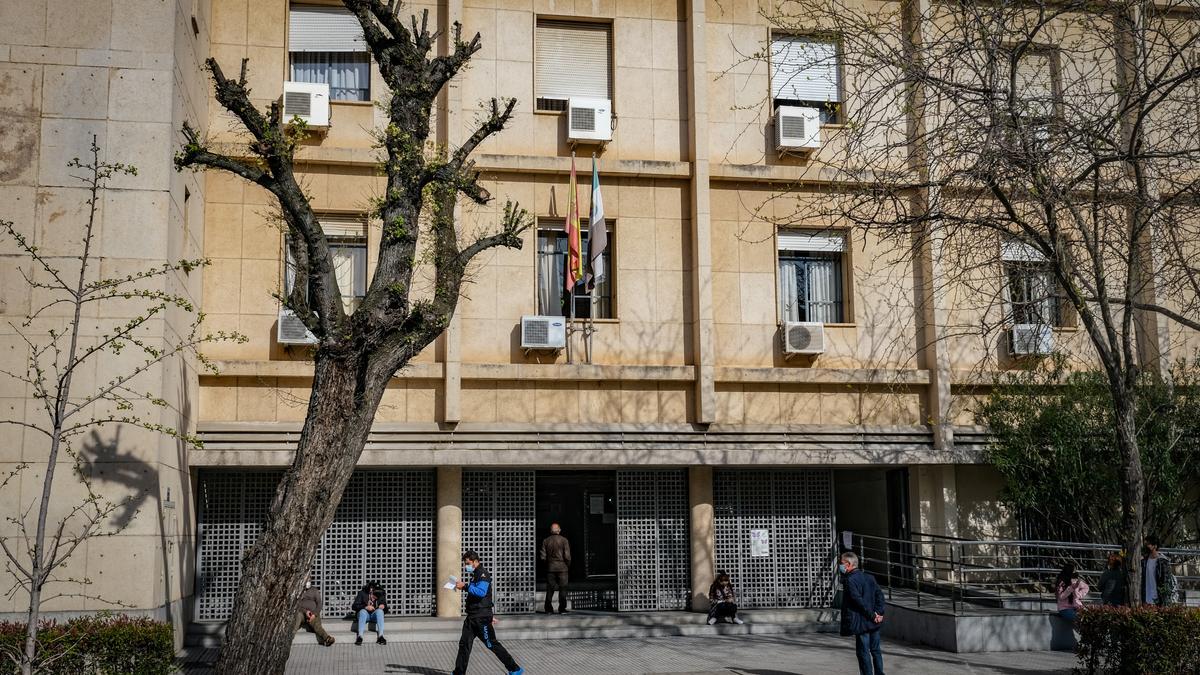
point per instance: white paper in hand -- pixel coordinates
(449, 585)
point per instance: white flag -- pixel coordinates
(597, 232)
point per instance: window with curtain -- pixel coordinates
(347, 237)
(552, 280)
(810, 276)
(571, 58)
(1034, 295)
(806, 72)
(326, 45)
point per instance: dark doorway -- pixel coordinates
(898, 524)
(584, 503)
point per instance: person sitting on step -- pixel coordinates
(722, 600)
(370, 605)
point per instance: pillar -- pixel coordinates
(701, 216)
(449, 537)
(703, 545)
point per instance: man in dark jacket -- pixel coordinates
(478, 624)
(308, 613)
(370, 604)
(556, 552)
(862, 613)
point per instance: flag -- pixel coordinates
(574, 246)
(597, 233)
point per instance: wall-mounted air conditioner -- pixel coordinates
(543, 332)
(803, 337)
(1031, 339)
(292, 331)
(589, 120)
(307, 100)
(797, 129)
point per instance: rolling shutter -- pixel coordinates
(812, 242)
(319, 28)
(1014, 250)
(343, 225)
(572, 59)
(804, 69)
(1035, 82)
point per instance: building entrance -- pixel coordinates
(584, 503)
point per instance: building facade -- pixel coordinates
(674, 436)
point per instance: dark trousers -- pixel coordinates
(483, 629)
(723, 610)
(869, 653)
(556, 581)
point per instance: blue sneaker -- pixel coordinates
(518, 671)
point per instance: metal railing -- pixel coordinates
(957, 574)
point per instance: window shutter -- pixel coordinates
(343, 225)
(804, 69)
(572, 59)
(812, 242)
(318, 28)
(1013, 250)
(1035, 79)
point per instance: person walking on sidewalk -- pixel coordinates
(556, 552)
(479, 620)
(308, 613)
(862, 613)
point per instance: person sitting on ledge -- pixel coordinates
(370, 605)
(722, 600)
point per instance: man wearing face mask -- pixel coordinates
(308, 613)
(556, 552)
(862, 613)
(478, 624)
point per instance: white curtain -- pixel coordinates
(550, 274)
(348, 74)
(810, 289)
(823, 291)
(350, 268)
(789, 298)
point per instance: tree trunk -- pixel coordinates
(341, 409)
(1132, 493)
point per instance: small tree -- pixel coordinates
(357, 353)
(57, 351)
(1065, 132)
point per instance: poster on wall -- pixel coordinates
(760, 543)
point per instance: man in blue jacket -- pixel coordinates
(478, 624)
(862, 613)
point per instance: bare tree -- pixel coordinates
(358, 353)
(991, 142)
(58, 350)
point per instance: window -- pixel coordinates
(347, 237)
(552, 276)
(805, 72)
(326, 46)
(572, 58)
(810, 276)
(1033, 292)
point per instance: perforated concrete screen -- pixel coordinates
(795, 508)
(498, 524)
(652, 540)
(383, 530)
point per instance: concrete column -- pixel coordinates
(701, 215)
(451, 134)
(449, 537)
(703, 545)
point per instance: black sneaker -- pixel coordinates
(381, 641)
(358, 641)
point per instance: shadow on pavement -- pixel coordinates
(417, 670)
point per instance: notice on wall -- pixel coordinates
(596, 504)
(760, 543)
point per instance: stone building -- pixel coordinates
(677, 428)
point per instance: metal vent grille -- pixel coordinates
(552, 104)
(383, 529)
(583, 119)
(652, 540)
(536, 332)
(297, 103)
(292, 330)
(796, 509)
(792, 126)
(498, 524)
(803, 338)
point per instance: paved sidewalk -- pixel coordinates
(721, 655)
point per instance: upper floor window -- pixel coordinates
(1033, 290)
(347, 237)
(571, 58)
(326, 45)
(810, 276)
(805, 71)
(1036, 84)
(596, 303)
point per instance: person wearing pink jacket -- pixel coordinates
(1070, 590)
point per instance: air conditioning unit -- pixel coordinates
(307, 100)
(1031, 339)
(797, 128)
(589, 120)
(803, 337)
(543, 332)
(292, 331)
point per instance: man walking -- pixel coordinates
(862, 613)
(478, 624)
(556, 552)
(308, 613)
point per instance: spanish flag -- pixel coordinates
(574, 245)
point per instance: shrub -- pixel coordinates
(95, 645)
(1137, 640)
